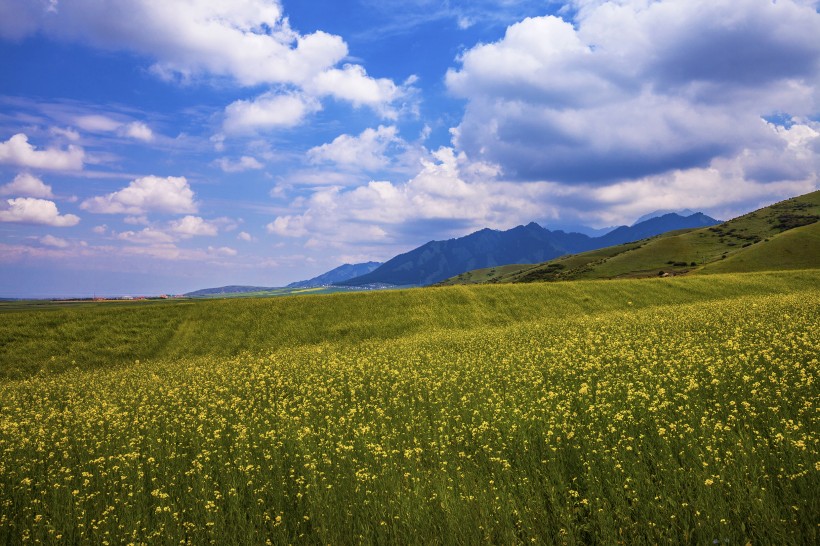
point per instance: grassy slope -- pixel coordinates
(485, 275)
(798, 248)
(754, 242)
(101, 335)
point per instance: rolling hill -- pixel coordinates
(226, 291)
(781, 236)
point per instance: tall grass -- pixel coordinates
(638, 423)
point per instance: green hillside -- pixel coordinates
(797, 248)
(486, 275)
(781, 236)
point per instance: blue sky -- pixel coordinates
(161, 147)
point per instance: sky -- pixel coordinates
(162, 147)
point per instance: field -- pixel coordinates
(678, 410)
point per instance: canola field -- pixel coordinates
(693, 423)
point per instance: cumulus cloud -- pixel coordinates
(448, 196)
(18, 151)
(269, 111)
(56, 242)
(27, 185)
(634, 88)
(28, 210)
(139, 131)
(224, 251)
(98, 123)
(163, 237)
(366, 151)
(190, 226)
(351, 83)
(244, 163)
(147, 194)
(146, 236)
(244, 236)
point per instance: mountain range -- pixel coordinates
(439, 260)
(341, 273)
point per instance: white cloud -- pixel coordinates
(150, 193)
(141, 220)
(351, 83)
(147, 236)
(269, 111)
(163, 239)
(244, 236)
(18, 151)
(98, 123)
(314, 177)
(218, 140)
(27, 185)
(222, 251)
(366, 151)
(100, 230)
(57, 242)
(635, 88)
(712, 190)
(190, 226)
(244, 163)
(28, 210)
(139, 131)
(68, 133)
(449, 195)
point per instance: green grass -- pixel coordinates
(678, 410)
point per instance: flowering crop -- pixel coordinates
(683, 424)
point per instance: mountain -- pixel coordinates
(656, 213)
(233, 289)
(341, 273)
(439, 260)
(654, 226)
(785, 235)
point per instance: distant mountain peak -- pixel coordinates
(685, 213)
(342, 273)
